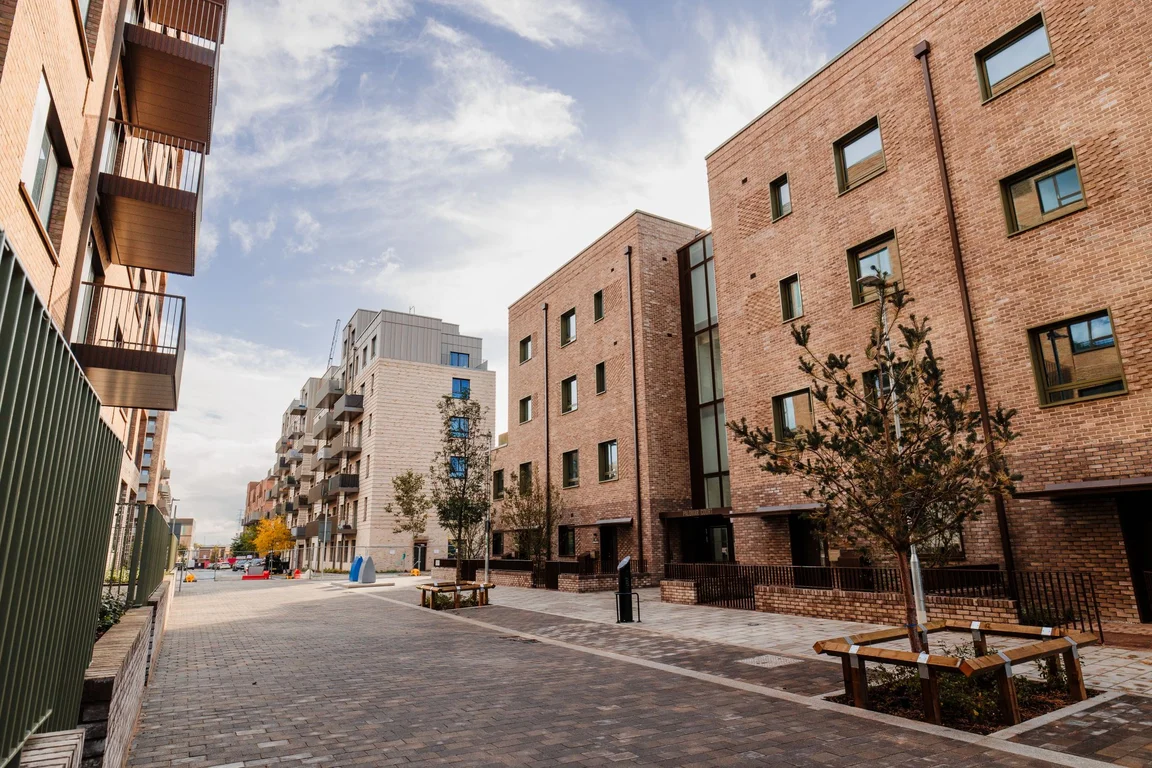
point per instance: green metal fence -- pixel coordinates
(139, 558)
(58, 471)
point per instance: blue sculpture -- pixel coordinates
(354, 572)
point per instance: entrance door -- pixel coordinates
(608, 550)
(721, 547)
(1136, 523)
(807, 550)
(420, 555)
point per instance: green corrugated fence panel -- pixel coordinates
(58, 471)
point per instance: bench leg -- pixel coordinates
(860, 685)
(1053, 667)
(456, 600)
(1075, 676)
(1009, 704)
(846, 666)
(930, 691)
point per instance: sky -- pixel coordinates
(443, 156)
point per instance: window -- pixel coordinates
(456, 466)
(373, 349)
(607, 457)
(525, 480)
(1043, 192)
(567, 536)
(458, 359)
(791, 412)
(367, 464)
(781, 198)
(859, 155)
(878, 257)
(791, 302)
(41, 161)
(1013, 58)
(570, 462)
(497, 543)
(601, 378)
(1077, 359)
(597, 306)
(369, 425)
(525, 409)
(461, 388)
(525, 349)
(498, 484)
(568, 395)
(568, 327)
(459, 427)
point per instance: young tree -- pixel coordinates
(459, 473)
(893, 457)
(527, 511)
(412, 505)
(272, 536)
(242, 542)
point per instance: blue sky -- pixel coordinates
(443, 155)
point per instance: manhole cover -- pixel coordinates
(769, 660)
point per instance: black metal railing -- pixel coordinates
(142, 154)
(59, 468)
(123, 318)
(200, 22)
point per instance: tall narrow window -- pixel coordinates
(525, 479)
(1077, 359)
(1042, 192)
(568, 395)
(525, 349)
(525, 409)
(877, 258)
(456, 467)
(568, 327)
(781, 198)
(1013, 58)
(791, 412)
(791, 302)
(373, 347)
(601, 378)
(566, 534)
(859, 155)
(606, 454)
(570, 462)
(41, 167)
(498, 484)
(597, 306)
(461, 388)
(459, 427)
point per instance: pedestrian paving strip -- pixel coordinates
(769, 661)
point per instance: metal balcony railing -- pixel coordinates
(199, 22)
(348, 407)
(344, 483)
(141, 154)
(298, 408)
(325, 425)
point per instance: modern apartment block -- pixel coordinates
(260, 502)
(369, 418)
(184, 528)
(992, 160)
(596, 370)
(106, 120)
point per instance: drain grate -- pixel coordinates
(769, 660)
(518, 638)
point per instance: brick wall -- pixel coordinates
(159, 601)
(521, 579)
(876, 608)
(114, 689)
(600, 582)
(678, 591)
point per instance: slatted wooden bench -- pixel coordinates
(1051, 643)
(59, 749)
(428, 592)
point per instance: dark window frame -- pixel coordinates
(601, 377)
(498, 484)
(774, 188)
(787, 311)
(843, 184)
(778, 412)
(1036, 173)
(569, 400)
(525, 343)
(601, 454)
(598, 306)
(565, 338)
(1044, 391)
(988, 91)
(462, 392)
(568, 480)
(566, 540)
(524, 478)
(867, 248)
(520, 409)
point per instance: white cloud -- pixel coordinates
(250, 234)
(549, 23)
(376, 269)
(209, 241)
(822, 11)
(231, 398)
(307, 231)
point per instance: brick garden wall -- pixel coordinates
(114, 689)
(876, 608)
(678, 591)
(600, 582)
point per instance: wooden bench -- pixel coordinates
(428, 592)
(855, 652)
(59, 749)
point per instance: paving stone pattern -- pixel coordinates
(283, 673)
(1117, 731)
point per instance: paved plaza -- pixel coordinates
(306, 673)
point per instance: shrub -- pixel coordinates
(111, 609)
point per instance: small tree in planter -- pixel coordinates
(411, 504)
(527, 511)
(459, 472)
(892, 457)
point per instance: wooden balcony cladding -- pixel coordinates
(171, 59)
(131, 345)
(150, 198)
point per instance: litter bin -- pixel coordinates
(624, 593)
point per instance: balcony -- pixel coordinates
(346, 444)
(305, 445)
(172, 54)
(344, 483)
(290, 481)
(348, 407)
(282, 445)
(325, 426)
(298, 531)
(282, 465)
(298, 408)
(304, 496)
(150, 197)
(324, 458)
(328, 393)
(130, 345)
(293, 456)
(295, 430)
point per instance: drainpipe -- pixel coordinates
(635, 414)
(921, 52)
(547, 445)
(94, 173)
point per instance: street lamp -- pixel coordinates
(879, 282)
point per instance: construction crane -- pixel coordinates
(332, 348)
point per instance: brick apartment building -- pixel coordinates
(259, 503)
(368, 419)
(1044, 120)
(106, 120)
